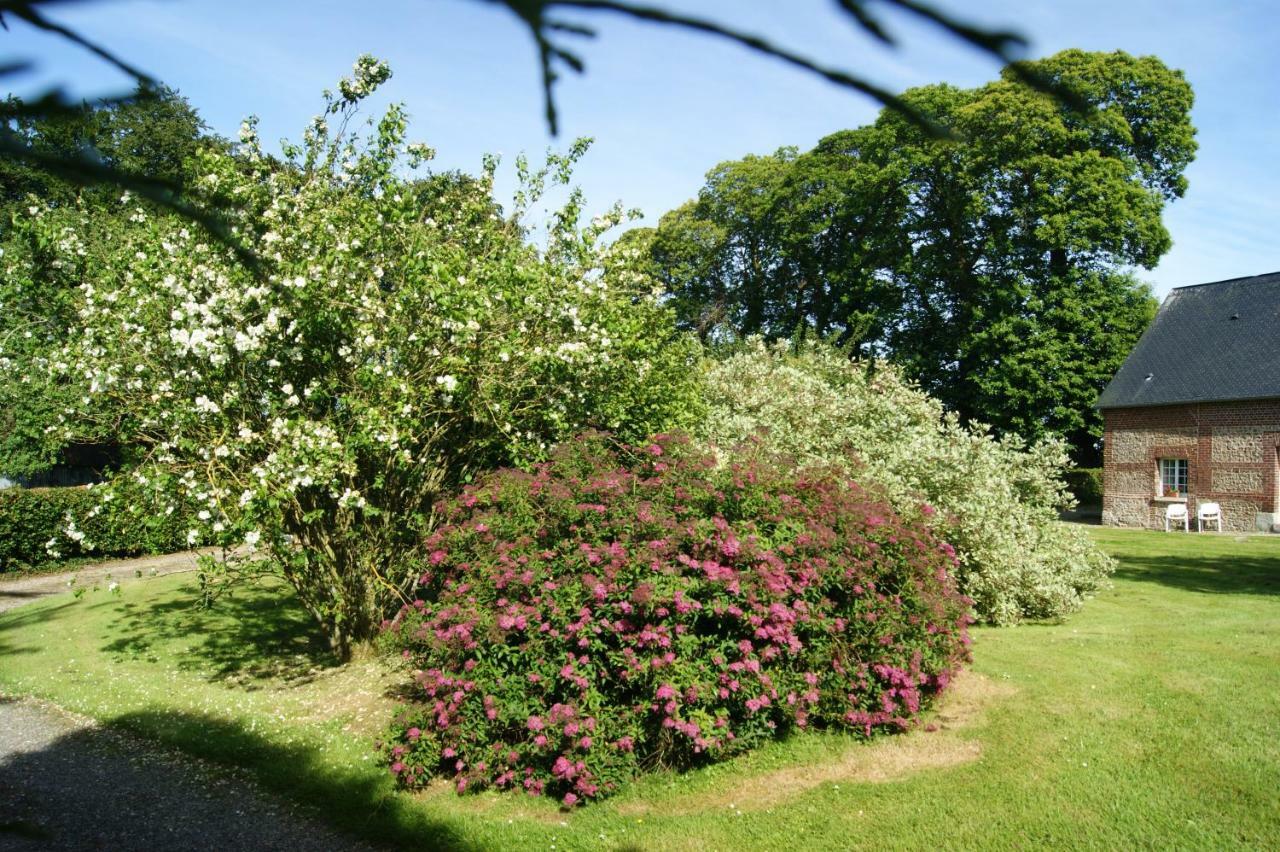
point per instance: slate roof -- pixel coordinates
(1208, 343)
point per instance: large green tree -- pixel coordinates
(994, 265)
(156, 133)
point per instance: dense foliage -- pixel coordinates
(997, 499)
(1085, 485)
(42, 525)
(994, 267)
(161, 136)
(156, 133)
(398, 336)
(627, 608)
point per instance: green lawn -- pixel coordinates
(1150, 718)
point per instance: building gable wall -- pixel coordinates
(1233, 455)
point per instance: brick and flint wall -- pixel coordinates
(1233, 455)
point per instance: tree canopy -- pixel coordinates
(155, 133)
(995, 265)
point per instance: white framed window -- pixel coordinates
(1173, 477)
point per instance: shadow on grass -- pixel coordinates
(94, 788)
(17, 597)
(17, 621)
(254, 634)
(1252, 575)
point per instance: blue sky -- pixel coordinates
(664, 106)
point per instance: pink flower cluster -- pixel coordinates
(618, 609)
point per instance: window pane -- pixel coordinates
(1173, 476)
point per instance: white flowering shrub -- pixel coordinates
(399, 335)
(37, 385)
(996, 500)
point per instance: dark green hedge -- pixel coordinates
(29, 518)
(1086, 484)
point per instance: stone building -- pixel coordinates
(1193, 415)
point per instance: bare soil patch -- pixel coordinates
(886, 759)
(361, 693)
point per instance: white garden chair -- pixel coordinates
(1176, 513)
(1210, 512)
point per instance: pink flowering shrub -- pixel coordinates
(620, 608)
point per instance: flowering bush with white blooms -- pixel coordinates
(44, 257)
(399, 335)
(996, 500)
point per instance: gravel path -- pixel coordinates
(68, 784)
(14, 593)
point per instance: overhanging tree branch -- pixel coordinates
(537, 15)
(547, 28)
(28, 12)
(82, 168)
